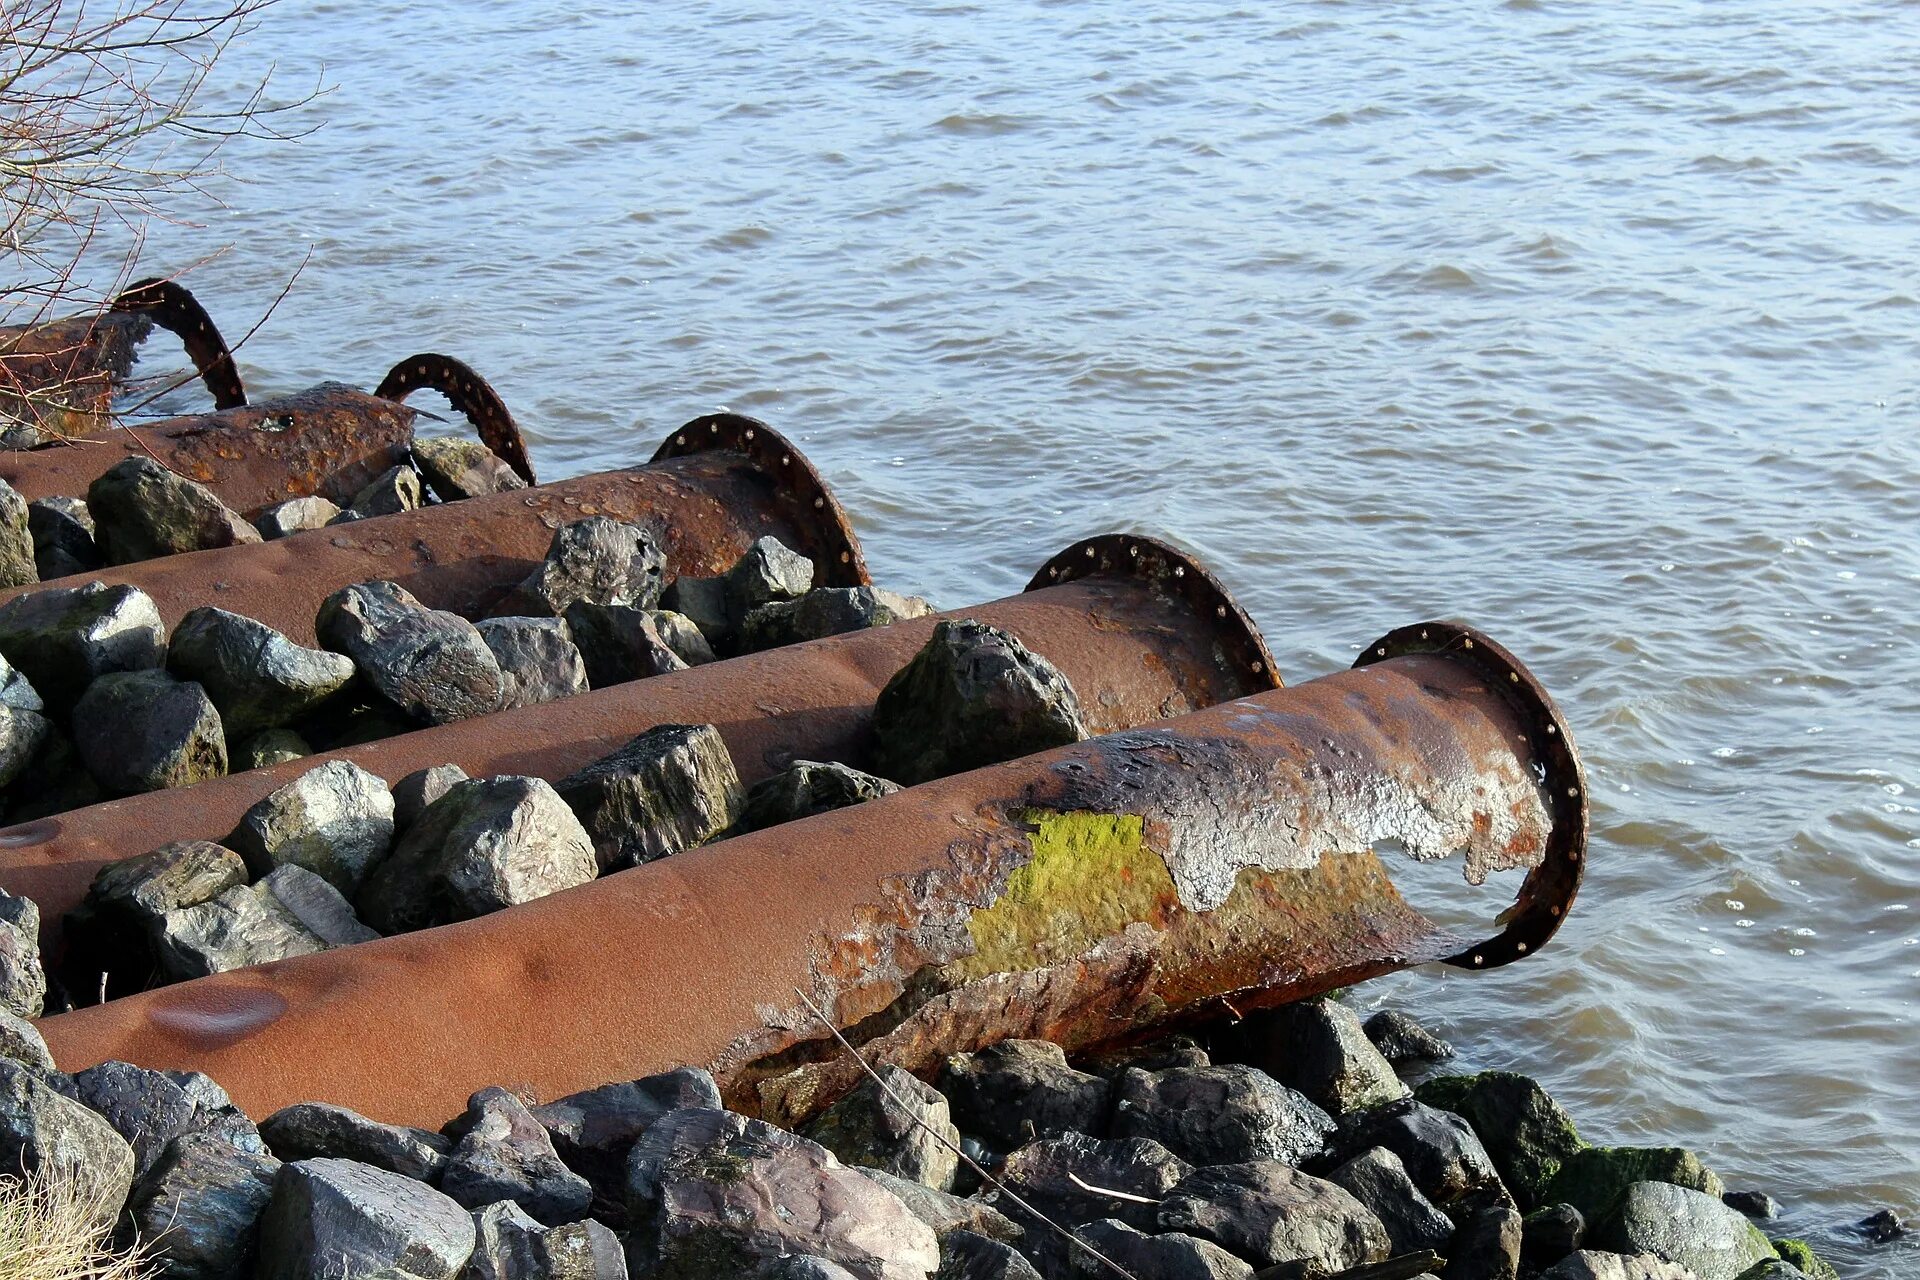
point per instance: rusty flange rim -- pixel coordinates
(1171, 568)
(468, 392)
(1548, 891)
(811, 503)
(170, 304)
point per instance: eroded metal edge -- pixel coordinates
(174, 308)
(469, 393)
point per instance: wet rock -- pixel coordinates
(1219, 1115)
(266, 749)
(1165, 1257)
(1550, 1233)
(1271, 1214)
(1054, 1176)
(1883, 1226)
(769, 571)
(16, 540)
(21, 1042)
(146, 731)
(62, 533)
(152, 1108)
(1318, 1047)
(703, 602)
(538, 660)
(309, 1130)
(1592, 1264)
(1158, 1055)
(947, 1213)
(619, 643)
(336, 820)
(594, 561)
(1755, 1204)
(670, 788)
(329, 1218)
(595, 1129)
(1801, 1256)
(61, 638)
(807, 787)
(456, 469)
(487, 844)
(1524, 1130)
(429, 663)
(830, 611)
(413, 793)
(1438, 1148)
(291, 912)
(1682, 1226)
(23, 978)
(393, 490)
(1378, 1180)
(895, 1123)
(1486, 1247)
(42, 1129)
(296, 515)
(713, 1193)
(257, 677)
(142, 510)
(199, 1206)
(965, 1255)
(1594, 1179)
(1399, 1038)
(1019, 1090)
(974, 696)
(506, 1155)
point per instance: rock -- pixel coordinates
(1766, 1269)
(686, 640)
(198, 1208)
(1318, 1047)
(967, 1256)
(257, 677)
(330, 1218)
(506, 1244)
(62, 533)
(61, 638)
(292, 912)
(619, 643)
(769, 571)
(507, 1155)
(23, 978)
(974, 696)
(307, 1130)
(336, 820)
(16, 691)
(1157, 1055)
(296, 515)
(53, 781)
(1755, 1204)
(1802, 1257)
(830, 611)
(580, 1251)
(1591, 1264)
(266, 749)
(146, 731)
(594, 561)
(1883, 1226)
(1550, 1233)
(16, 540)
(429, 663)
(142, 510)
(1593, 1180)
(1019, 1090)
(1682, 1226)
(1053, 1177)
(807, 787)
(1378, 1180)
(413, 793)
(23, 735)
(42, 1129)
(798, 1267)
(1219, 1115)
(110, 934)
(669, 789)
(1165, 1257)
(1271, 1214)
(486, 844)
(1401, 1039)
(703, 602)
(947, 1213)
(393, 490)
(895, 1123)
(456, 469)
(595, 1129)
(1486, 1247)
(21, 1042)
(1524, 1130)
(1439, 1149)
(538, 660)
(713, 1193)
(152, 1108)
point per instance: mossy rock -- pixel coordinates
(1449, 1093)
(1801, 1255)
(1526, 1132)
(1594, 1179)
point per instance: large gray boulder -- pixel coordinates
(1439, 1149)
(336, 820)
(1686, 1227)
(62, 637)
(429, 663)
(63, 542)
(142, 510)
(257, 677)
(23, 976)
(621, 642)
(198, 1208)
(1171, 1256)
(487, 844)
(598, 560)
(830, 611)
(1486, 1246)
(1069, 1178)
(1319, 1048)
(807, 787)
(595, 1129)
(146, 731)
(110, 934)
(1021, 1089)
(1378, 1180)
(296, 515)
(1400, 1038)
(670, 788)
(291, 912)
(456, 469)
(17, 566)
(1524, 1130)
(1219, 1115)
(770, 571)
(330, 1218)
(152, 1108)
(313, 1130)
(1271, 1214)
(506, 1244)
(42, 1129)
(538, 660)
(505, 1154)
(973, 696)
(896, 1123)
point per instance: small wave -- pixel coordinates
(1459, 173)
(748, 237)
(1446, 278)
(964, 122)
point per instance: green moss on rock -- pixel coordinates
(1801, 1255)
(1526, 1132)
(1594, 1179)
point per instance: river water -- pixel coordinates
(1596, 326)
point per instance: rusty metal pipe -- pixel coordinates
(1220, 860)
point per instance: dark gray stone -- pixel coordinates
(487, 844)
(61, 638)
(40, 1128)
(538, 660)
(429, 663)
(1686, 1227)
(393, 490)
(16, 691)
(670, 788)
(198, 1208)
(1755, 1204)
(413, 793)
(1318, 1048)
(1439, 1149)
(142, 510)
(296, 515)
(292, 912)
(594, 561)
(1883, 1226)
(257, 677)
(23, 735)
(266, 749)
(506, 1244)
(152, 1108)
(456, 469)
(507, 1155)
(16, 540)
(974, 696)
(1771, 1269)
(807, 787)
(681, 635)
(1219, 1115)
(595, 1129)
(965, 1255)
(53, 781)
(896, 1123)
(1019, 1090)
(1270, 1214)
(830, 611)
(1399, 1038)
(21, 1041)
(1549, 1234)
(769, 571)
(1378, 1180)
(336, 820)
(330, 1218)
(146, 731)
(946, 1212)
(1486, 1247)
(1172, 1256)
(307, 1130)
(62, 532)
(23, 977)
(620, 642)
(1054, 1177)
(798, 1267)
(1157, 1055)
(702, 601)
(110, 934)
(1525, 1132)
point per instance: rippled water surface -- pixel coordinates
(1597, 326)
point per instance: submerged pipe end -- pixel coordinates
(1548, 891)
(468, 392)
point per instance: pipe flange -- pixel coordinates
(1548, 891)
(811, 505)
(171, 306)
(1133, 555)
(467, 392)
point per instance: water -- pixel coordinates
(1596, 326)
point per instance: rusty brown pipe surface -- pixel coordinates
(1141, 632)
(716, 485)
(1220, 860)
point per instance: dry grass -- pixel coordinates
(54, 1228)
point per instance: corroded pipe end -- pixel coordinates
(1549, 888)
(174, 308)
(811, 505)
(468, 392)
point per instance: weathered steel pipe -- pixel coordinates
(1141, 631)
(716, 485)
(1222, 860)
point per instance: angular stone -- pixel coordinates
(506, 1244)
(1166, 1257)
(1158, 1055)
(1019, 1090)
(429, 663)
(1549, 1234)
(266, 749)
(967, 1256)
(21, 1042)
(330, 1218)
(1592, 1264)
(1755, 1204)
(61, 638)
(595, 1129)
(1318, 1047)
(1800, 1255)
(807, 787)
(585, 1250)
(42, 1129)
(1883, 1225)
(703, 602)
(146, 731)
(1486, 1247)
(1270, 1214)
(830, 611)
(1401, 1039)
(309, 1130)
(336, 820)
(1688, 1228)
(413, 793)
(895, 1123)
(769, 571)
(152, 1108)
(538, 660)
(1524, 1130)
(62, 532)
(1594, 1179)
(619, 643)
(1219, 1115)
(487, 844)
(456, 469)
(974, 696)
(257, 677)
(507, 1155)
(110, 934)
(946, 1212)
(198, 1208)
(142, 510)
(393, 490)
(291, 912)
(670, 788)
(1438, 1148)
(23, 977)
(1378, 1180)
(296, 515)
(1054, 1176)
(23, 735)
(16, 540)
(16, 691)
(595, 561)
(686, 640)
